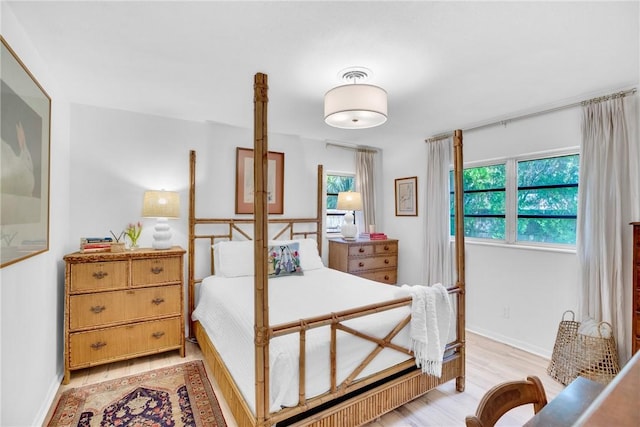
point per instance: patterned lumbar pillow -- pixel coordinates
(284, 260)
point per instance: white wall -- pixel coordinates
(117, 155)
(515, 295)
(31, 291)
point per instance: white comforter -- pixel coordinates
(225, 310)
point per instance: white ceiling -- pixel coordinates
(445, 65)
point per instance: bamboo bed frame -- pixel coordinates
(352, 402)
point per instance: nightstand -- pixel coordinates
(372, 259)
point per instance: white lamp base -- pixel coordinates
(348, 229)
(162, 235)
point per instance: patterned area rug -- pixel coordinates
(179, 395)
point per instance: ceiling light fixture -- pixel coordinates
(354, 105)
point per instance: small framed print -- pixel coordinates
(407, 196)
(244, 181)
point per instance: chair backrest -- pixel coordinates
(506, 396)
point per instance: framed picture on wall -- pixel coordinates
(244, 181)
(25, 114)
(407, 196)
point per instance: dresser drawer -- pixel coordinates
(97, 276)
(156, 270)
(386, 248)
(105, 345)
(107, 308)
(360, 264)
(361, 250)
(389, 277)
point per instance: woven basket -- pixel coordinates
(562, 367)
(596, 358)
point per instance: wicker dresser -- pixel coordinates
(122, 305)
(373, 259)
(635, 339)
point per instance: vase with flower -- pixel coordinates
(133, 232)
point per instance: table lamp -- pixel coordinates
(161, 205)
(349, 201)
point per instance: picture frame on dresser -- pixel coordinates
(406, 195)
(25, 112)
(244, 181)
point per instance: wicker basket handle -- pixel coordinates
(573, 316)
(601, 324)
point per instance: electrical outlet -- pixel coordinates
(506, 312)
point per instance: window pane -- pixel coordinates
(547, 230)
(338, 183)
(484, 203)
(485, 228)
(332, 202)
(333, 223)
(550, 171)
(548, 201)
(485, 178)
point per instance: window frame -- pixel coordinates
(335, 212)
(511, 199)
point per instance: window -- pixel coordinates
(548, 199)
(335, 184)
(521, 200)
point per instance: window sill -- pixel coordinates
(528, 247)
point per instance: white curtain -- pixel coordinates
(437, 265)
(608, 201)
(365, 184)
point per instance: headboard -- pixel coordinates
(241, 229)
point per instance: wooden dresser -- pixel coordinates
(635, 321)
(373, 259)
(120, 305)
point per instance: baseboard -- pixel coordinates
(521, 345)
(41, 414)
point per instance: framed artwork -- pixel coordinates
(244, 181)
(407, 196)
(25, 127)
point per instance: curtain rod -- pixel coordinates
(619, 94)
(347, 146)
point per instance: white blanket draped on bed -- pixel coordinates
(430, 321)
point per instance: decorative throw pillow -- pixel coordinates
(284, 260)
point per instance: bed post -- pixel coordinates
(458, 168)
(260, 206)
(319, 201)
(192, 232)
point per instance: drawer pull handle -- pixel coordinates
(360, 250)
(157, 334)
(100, 274)
(157, 301)
(386, 277)
(157, 270)
(361, 264)
(386, 247)
(386, 261)
(98, 345)
(98, 309)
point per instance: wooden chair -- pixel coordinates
(506, 396)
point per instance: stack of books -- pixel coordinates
(373, 236)
(95, 244)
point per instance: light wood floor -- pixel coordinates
(488, 363)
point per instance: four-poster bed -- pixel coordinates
(353, 398)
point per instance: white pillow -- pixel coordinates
(235, 258)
